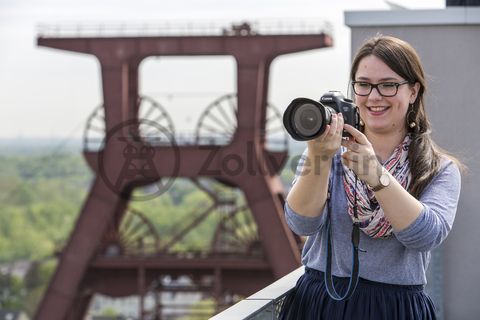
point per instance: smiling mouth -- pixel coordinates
(377, 110)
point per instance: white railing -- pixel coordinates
(265, 304)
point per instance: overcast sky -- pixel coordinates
(50, 93)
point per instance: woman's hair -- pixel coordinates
(424, 155)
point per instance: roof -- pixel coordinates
(450, 15)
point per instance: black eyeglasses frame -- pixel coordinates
(372, 86)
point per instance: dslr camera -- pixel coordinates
(306, 119)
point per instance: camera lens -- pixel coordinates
(307, 119)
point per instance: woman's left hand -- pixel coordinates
(361, 157)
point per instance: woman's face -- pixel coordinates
(383, 114)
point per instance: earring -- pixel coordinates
(362, 123)
(411, 114)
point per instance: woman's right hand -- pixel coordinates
(327, 145)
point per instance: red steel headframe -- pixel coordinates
(78, 271)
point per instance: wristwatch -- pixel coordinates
(383, 181)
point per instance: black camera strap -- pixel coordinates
(355, 261)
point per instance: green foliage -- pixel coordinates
(109, 312)
(12, 292)
(41, 197)
(204, 309)
(39, 201)
(35, 283)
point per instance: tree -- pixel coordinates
(12, 292)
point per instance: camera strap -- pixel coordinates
(355, 261)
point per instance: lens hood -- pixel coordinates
(294, 119)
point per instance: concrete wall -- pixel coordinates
(448, 42)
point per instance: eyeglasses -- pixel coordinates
(385, 89)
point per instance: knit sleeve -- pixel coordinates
(439, 201)
(302, 225)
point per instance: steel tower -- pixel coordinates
(99, 256)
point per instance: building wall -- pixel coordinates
(448, 42)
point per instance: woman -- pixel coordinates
(391, 179)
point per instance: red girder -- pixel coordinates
(81, 271)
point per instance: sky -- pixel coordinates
(48, 93)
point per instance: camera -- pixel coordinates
(306, 119)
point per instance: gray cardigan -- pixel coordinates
(401, 259)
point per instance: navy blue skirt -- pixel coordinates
(371, 300)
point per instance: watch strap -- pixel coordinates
(379, 187)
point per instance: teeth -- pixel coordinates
(377, 109)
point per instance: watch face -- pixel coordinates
(384, 180)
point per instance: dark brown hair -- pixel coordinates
(424, 155)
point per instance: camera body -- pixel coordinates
(306, 119)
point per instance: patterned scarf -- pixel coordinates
(370, 216)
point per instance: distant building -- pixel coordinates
(13, 315)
